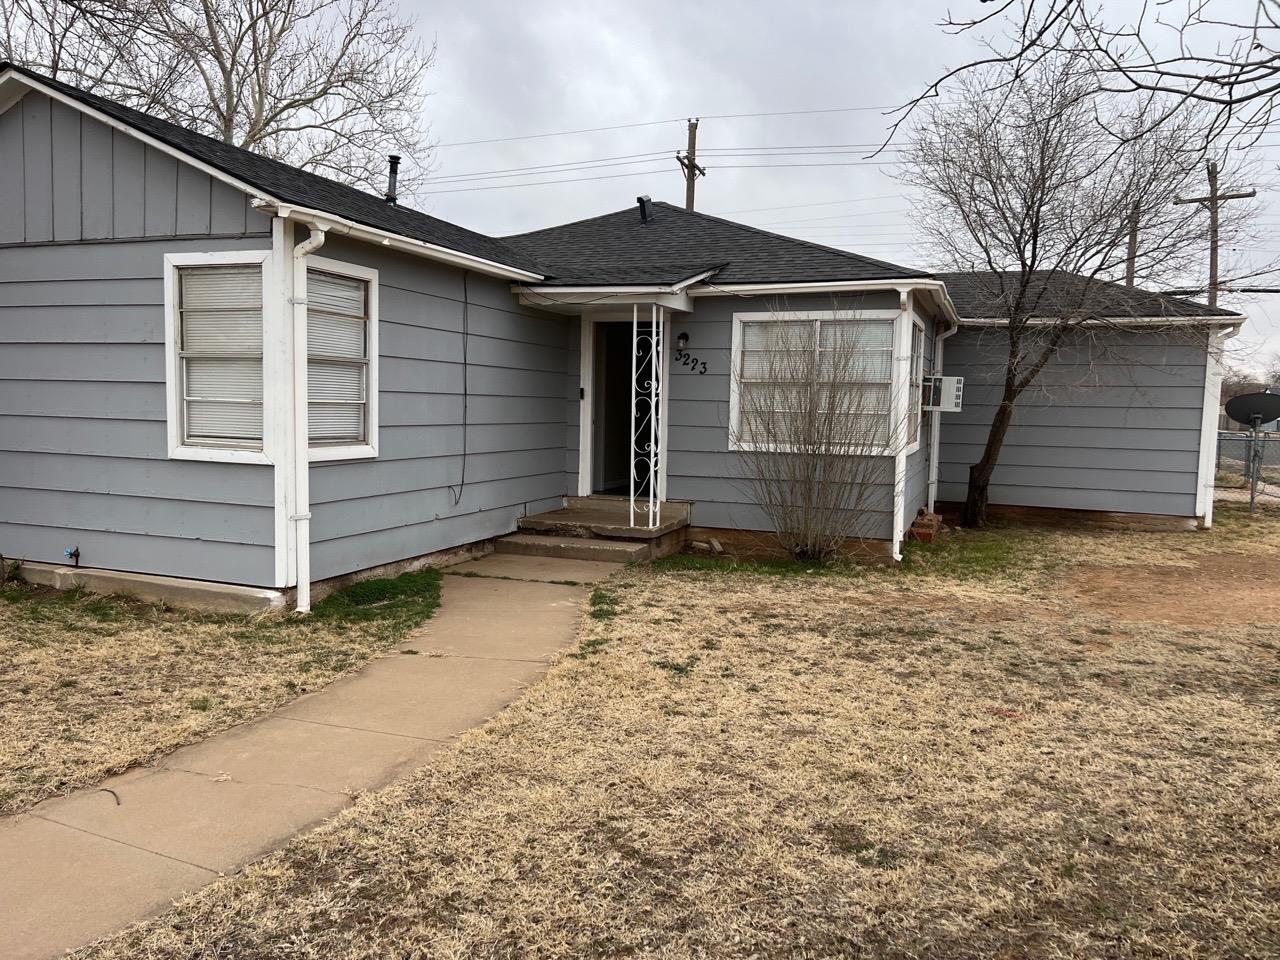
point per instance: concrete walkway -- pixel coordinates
(79, 867)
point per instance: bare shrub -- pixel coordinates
(815, 421)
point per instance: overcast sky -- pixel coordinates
(510, 70)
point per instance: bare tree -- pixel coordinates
(1222, 56)
(816, 420)
(1034, 183)
(331, 86)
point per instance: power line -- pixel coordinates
(470, 177)
(546, 183)
(655, 123)
(817, 203)
(567, 163)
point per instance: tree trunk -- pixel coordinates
(975, 504)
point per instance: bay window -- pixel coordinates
(813, 381)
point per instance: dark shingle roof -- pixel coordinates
(977, 297)
(617, 249)
(291, 185)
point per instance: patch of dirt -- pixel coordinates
(1212, 589)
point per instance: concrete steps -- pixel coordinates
(572, 548)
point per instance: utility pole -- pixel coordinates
(1131, 265)
(1212, 201)
(689, 163)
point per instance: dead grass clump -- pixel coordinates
(90, 685)
(747, 765)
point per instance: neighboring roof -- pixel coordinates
(288, 184)
(619, 249)
(977, 297)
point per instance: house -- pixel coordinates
(219, 368)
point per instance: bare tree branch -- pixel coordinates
(331, 86)
(1032, 182)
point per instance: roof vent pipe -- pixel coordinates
(646, 208)
(393, 162)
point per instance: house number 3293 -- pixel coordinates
(687, 359)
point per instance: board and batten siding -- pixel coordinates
(1112, 423)
(87, 215)
(700, 466)
(415, 498)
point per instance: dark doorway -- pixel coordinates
(612, 436)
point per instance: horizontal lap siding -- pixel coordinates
(1112, 424)
(412, 500)
(700, 466)
(87, 215)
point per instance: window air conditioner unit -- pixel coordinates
(943, 393)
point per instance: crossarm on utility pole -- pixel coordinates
(689, 163)
(1213, 201)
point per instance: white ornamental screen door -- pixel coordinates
(646, 405)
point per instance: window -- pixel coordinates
(817, 381)
(341, 345)
(916, 394)
(215, 335)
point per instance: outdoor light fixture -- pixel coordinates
(682, 341)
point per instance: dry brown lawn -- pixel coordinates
(90, 686)
(981, 756)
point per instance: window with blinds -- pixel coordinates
(914, 420)
(809, 382)
(220, 355)
(337, 359)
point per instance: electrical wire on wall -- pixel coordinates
(466, 389)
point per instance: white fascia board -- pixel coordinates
(1234, 321)
(577, 302)
(936, 287)
(341, 226)
(12, 89)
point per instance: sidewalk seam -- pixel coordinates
(125, 843)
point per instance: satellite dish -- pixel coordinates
(1254, 408)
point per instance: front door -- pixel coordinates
(625, 409)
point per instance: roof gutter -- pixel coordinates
(902, 285)
(679, 286)
(1229, 321)
(392, 241)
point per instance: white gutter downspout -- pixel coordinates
(935, 432)
(300, 517)
(1215, 346)
(901, 376)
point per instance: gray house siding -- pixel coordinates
(86, 217)
(1113, 423)
(700, 466)
(414, 498)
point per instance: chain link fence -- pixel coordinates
(1233, 458)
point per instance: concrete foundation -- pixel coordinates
(174, 591)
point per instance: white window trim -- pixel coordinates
(173, 373)
(914, 395)
(354, 451)
(800, 316)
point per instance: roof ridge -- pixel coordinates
(571, 223)
(782, 236)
